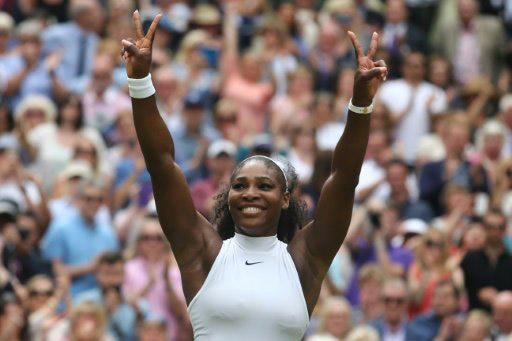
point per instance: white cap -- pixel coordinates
(77, 168)
(221, 146)
(415, 225)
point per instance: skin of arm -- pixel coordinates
(314, 247)
(194, 242)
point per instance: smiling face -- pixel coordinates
(256, 198)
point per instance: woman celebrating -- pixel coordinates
(262, 281)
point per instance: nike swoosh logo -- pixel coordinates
(247, 263)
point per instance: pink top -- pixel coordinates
(136, 278)
(251, 99)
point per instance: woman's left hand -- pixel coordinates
(369, 74)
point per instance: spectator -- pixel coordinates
(502, 315)
(429, 268)
(12, 321)
(488, 270)
(302, 151)
(101, 100)
(29, 72)
(412, 102)
(151, 330)
(370, 280)
(442, 322)
(151, 274)
(242, 81)
(6, 29)
(77, 41)
(476, 327)
(454, 168)
(335, 318)
(464, 43)
(193, 136)
(24, 258)
(400, 37)
(122, 316)
(75, 242)
(391, 326)
(87, 322)
(220, 163)
(43, 317)
(363, 333)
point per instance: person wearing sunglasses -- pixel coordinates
(75, 242)
(391, 326)
(488, 270)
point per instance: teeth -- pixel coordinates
(251, 209)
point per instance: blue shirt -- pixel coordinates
(424, 328)
(37, 81)
(77, 46)
(122, 323)
(72, 241)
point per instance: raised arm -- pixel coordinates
(190, 235)
(324, 236)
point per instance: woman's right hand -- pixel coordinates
(137, 53)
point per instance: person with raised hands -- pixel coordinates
(256, 272)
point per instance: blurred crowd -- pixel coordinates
(428, 253)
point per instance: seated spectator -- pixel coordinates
(442, 322)
(77, 40)
(225, 117)
(457, 207)
(12, 321)
(429, 268)
(335, 319)
(454, 168)
(45, 322)
(220, 163)
(122, 316)
(191, 138)
(28, 72)
(477, 326)
(488, 270)
(102, 101)
(328, 130)
(490, 143)
(391, 326)
(302, 151)
(24, 258)
(87, 322)
(151, 275)
(152, 330)
(75, 242)
(370, 281)
(502, 316)
(463, 42)
(363, 333)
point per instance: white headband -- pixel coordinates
(277, 163)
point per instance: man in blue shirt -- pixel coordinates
(442, 323)
(77, 40)
(75, 242)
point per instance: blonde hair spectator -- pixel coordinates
(477, 326)
(88, 322)
(363, 333)
(36, 102)
(335, 317)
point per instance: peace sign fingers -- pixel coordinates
(139, 33)
(151, 32)
(356, 44)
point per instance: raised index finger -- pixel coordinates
(151, 32)
(357, 46)
(139, 33)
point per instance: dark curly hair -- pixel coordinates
(291, 219)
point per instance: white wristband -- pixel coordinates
(360, 110)
(141, 87)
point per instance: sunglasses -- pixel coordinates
(227, 119)
(495, 226)
(148, 237)
(434, 244)
(395, 300)
(36, 293)
(93, 198)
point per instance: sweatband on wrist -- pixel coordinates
(141, 87)
(360, 110)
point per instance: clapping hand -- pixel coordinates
(137, 53)
(369, 74)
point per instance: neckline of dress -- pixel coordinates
(259, 244)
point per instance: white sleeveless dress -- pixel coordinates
(252, 293)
